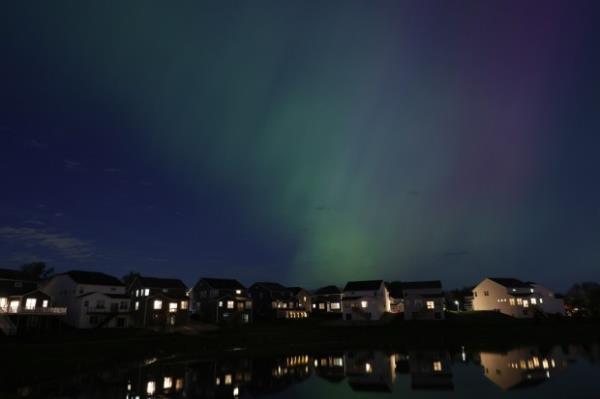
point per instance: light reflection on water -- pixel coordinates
(526, 371)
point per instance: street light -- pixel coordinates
(457, 305)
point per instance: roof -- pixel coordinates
(11, 288)
(271, 286)
(366, 285)
(93, 278)
(510, 282)
(328, 290)
(296, 290)
(155, 282)
(223, 283)
(9, 274)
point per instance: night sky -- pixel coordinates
(303, 142)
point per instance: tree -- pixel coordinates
(129, 277)
(37, 270)
(585, 296)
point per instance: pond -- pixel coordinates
(521, 372)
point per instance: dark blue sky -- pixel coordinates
(303, 142)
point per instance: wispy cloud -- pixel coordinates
(37, 144)
(34, 222)
(71, 164)
(64, 244)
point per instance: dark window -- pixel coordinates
(93, 320)
(120, 322)
(486, 293)
(123, 305)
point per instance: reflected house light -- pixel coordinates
(547, 374)
(179, 384)
(151, 388)
(128, 385)
(437, 366)
(545, 365)
(316, 362)
(228, 379)
(368, 368)
(218, 381)
(167, 383)
(236, 391)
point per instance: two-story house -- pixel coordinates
(303, 297)
(365, 300)
(417, 300)
(158, 302)
(221, 300)
(23, 304)
(327, 300)
(274, 301)
(92, 299)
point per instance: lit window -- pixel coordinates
(218, 381)
(519, 301)
(220, 304)
(541, 300)
(3, 303)
(151, 388)
(236, 391)
(364, 304)
(321, 306)
(238, 292)
(314, 305)
(30, 303)
(157, 304)
(172, 307)
(533, 301)
(368, 368)
(525, 304)
(437, 366)
(284, 305)
(531, 290)
(184, 305)
(179, 384)
(147, 291)
(486, 293)
(137, 292)
(137, 305)
(228, 379)
(430, 305)
(45, 303)
(335, 305)
(230, 304)
(167, 383)
(511, 301)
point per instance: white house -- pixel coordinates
(365, 300)
(92, 299)
(515, 298)
(418, 300)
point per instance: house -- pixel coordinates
(417, 300)
(222, 300)
(158, 302)
(369, 371)
(274, 301)
(327, 300)
(522, 367)
(365, 300)
(23, 304)
(92, 299)
(303, 297)
(515, 298)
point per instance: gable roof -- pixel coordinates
(365, 285)
(10, 274)
(510, 282)
(328, 290)
(156, 282)
(93, 278)
(296, 290)
(223, 283)
(271, 286)
(17, 288)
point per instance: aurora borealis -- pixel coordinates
(306, 142)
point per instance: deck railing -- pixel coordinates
(37, 310)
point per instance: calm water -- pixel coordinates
(522, 372)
